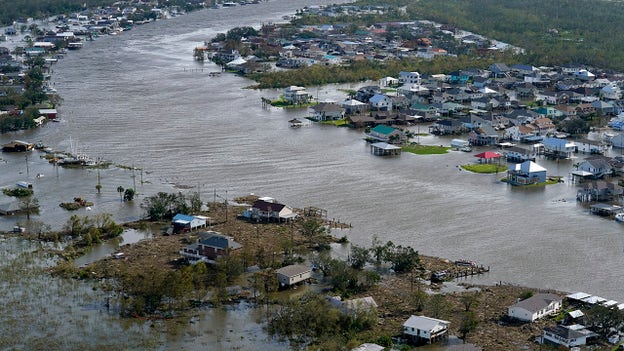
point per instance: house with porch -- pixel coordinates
(447, 126)
(425, 330)
(387, 134)
(269, 211)
(292, 275)
(484, 135)
(380, 102)
(598, 167)
(353, 106)
(535, 307)
(525, 173)
(296, 95)
(184, 223)
(520, 132)
(567, 335)
(209, 247)
(587, 146)
(327, 111)
(558, 148)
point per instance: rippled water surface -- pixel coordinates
(134, 99)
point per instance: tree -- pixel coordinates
(128, 194)
(437, 306)
(469, 300)
(120, 190)
(195, 203)
(468, 324)
(604, 319)
(29, 205)
(359, 256)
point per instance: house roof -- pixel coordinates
(489, 154)
(293, 269)
(537, 302)
(527, 167)
(265, 206)
(383, 129)
(220, 241)
(369, 347)
(424, 323)
(182, 218)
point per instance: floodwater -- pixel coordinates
(140, 100)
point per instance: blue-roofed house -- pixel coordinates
(210, 246)
(387, 134)
(380, 102)
(185, 223)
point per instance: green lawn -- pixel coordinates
(337, 123)
(425, 149)
(485, 168)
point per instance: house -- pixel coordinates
(447, 126)
(598, 167)
(185, 223)
(617, 141)
(387, 134)
(326, 111)
(388, 81)
(293, 274)
(263, 210)
(380, 102)
(568, 336)
(49, 113)
(535, 307)
(484, 135)
(421, 329)
(353, 106)
(587, 146)
(354, 306)
(409, 78)
(210, 246)
(520, 132)
(558, 148)
(520, 154)
(17, 146)
(525, 173)
(296, 95)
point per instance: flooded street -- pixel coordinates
(133, 99)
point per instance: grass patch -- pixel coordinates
(485, 168)
(337, 123)
(286, 104)
(549, 181)
(425, 149)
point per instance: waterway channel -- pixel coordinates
(134, 99)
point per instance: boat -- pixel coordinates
(619, 217)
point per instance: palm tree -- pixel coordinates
(120, 190)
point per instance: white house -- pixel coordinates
(184, 223)
(611, 92)
(293, 274)
(525, 173)
(587, 146)
(387, 81)
(421, 328)
(294, 95)
(263, 210)
(568, 336)
(535, 307)
(409, 77)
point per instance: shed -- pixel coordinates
(385, 149)
(293, 274)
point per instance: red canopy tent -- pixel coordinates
(488, 155)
